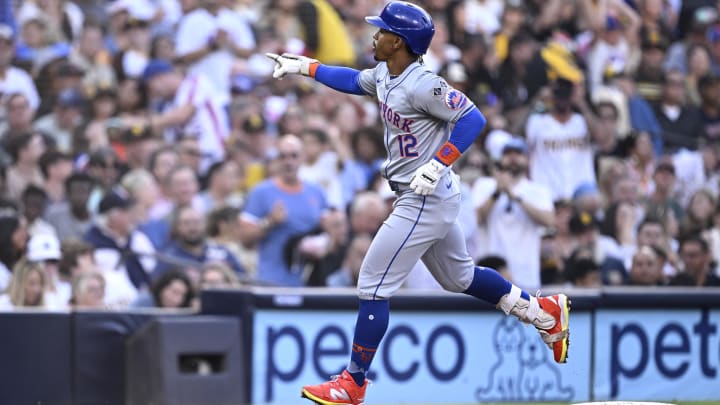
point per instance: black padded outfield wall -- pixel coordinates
(35, 358)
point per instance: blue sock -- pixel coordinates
(490, 286)
(372, 322)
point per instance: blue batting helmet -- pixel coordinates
(410, 22)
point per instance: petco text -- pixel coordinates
(680, 347)
(441, 352)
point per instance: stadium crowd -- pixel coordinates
(146, 152)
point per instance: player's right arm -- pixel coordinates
(340, 78)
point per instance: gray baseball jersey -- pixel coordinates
(418, 109)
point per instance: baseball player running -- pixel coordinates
(428, 125)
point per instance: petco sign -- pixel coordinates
(657, 355)
(428, 357)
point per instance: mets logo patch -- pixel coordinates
(454, 99)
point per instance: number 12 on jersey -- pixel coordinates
(407, 143)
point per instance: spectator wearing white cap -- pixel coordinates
(515, 211)
(44, 250)
(13, 79)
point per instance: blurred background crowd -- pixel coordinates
(146, 153)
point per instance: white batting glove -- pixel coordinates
(426, 177)
(289, 63)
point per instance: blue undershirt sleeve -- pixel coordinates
(339, 78)
(467, 129)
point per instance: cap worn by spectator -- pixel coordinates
(581, 222)
(585, 189)
(515, 144)
(156, 67)
(612, 23)
(49, 55)
(43, 247)
(115, 199)
(6, 32)
(70, 98)
(254, 123)
(703, 17)
(495, 142)
(35, 16)
(136, 133)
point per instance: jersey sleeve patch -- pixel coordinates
(455, 99)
